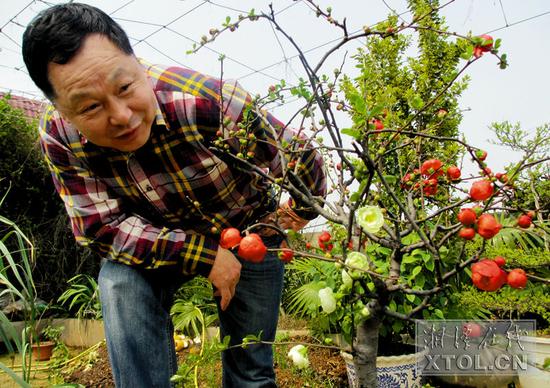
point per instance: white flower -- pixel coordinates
(328, 302)
(370, 218)
(346, 279)
(298, 355)
(357, 260)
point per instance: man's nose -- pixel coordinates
(119, 112)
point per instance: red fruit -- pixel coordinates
(453, 173)
(308, 245)
(481, 190)
(478, 52)
(487, 275)
(406, 181)
(431, 168)
(503, 178)
(500, 261)
(230, 238)
(329, 247)
(272, 88)
(524, 221)
(430, 187)
(252, 248)
(487, 171)
(339, 166)
(350, 245)
(517, 278)
(441, 113)
(324, 237)
(486, 267)
(467, 233)
(488, 45)
(501, 279)
(286, 255)
(467, 216)
(487, 226)
(378, 124)
(481, 155)
(471, 330)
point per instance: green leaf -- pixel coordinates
(410, 297)
(467, 52)
(353, 132)
(438, 313)
(430, 264)
(391, 179)
(416, 102)
(357, 102)
(416, 270)
(377, 110)
(408, 259)
(397, 326)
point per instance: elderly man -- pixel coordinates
(131, 148)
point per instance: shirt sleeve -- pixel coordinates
(239, 112)
(101, 221)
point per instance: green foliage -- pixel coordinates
(193, 309)
(31, 202)
(21, 166)
(16, 277)
(187, 370)
(403, 87)
(508, 303)
(82, 297)
(533, 184)
(531, 302)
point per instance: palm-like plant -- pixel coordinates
(193, 309)
(513, 237)
(16, 257)
(82, 296)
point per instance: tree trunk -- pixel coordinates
(366, 350)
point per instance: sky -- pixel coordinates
(163, 31)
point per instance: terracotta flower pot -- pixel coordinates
(42, 351)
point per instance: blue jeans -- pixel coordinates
(138, 328)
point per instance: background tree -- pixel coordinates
(32, 203)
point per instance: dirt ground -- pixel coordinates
(326, 363)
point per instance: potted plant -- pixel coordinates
(48, 339)
(404, 211)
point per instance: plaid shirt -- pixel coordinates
(157, 206)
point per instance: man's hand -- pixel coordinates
(225, 275)
(285, 218)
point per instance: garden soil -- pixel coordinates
(325, 363)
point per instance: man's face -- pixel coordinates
(105, 94)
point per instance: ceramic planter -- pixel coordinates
(392, 371)
(538, 350)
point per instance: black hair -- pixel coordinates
(57, 33)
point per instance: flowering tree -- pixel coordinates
(404, 213)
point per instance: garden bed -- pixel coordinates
(327, 369)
